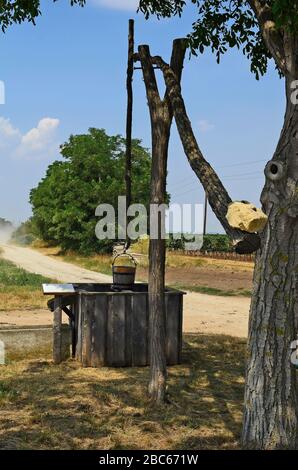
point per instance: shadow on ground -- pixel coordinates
(67, 407)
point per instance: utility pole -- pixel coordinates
(205, 215)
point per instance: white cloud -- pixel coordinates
(37, 143)
(7, 130)
(128, 5)
(38, 138)
(205, 126)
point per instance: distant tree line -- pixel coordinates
(211, 243)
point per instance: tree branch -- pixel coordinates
(217, 195)
(177, 59)
(272, 37)
(149, 76)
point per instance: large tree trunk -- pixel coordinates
(271, 415)
(271, 412)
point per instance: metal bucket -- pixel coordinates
(124, 276)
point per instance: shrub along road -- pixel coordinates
(208, 314)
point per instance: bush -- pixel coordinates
(24, 234)
(217, 242)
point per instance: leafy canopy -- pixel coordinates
(224, 24)
(91, 173)
(17, 11)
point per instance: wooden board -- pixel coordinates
(173, 326)
(140, 330)
(99, 331)
(116, 331)
(56, 289)
(88, 304)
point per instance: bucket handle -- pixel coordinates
(124, 254)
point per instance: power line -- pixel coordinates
(235, 179)
(243, 163)
(188, 180)
(251, 173)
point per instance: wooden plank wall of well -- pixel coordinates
(113, 330)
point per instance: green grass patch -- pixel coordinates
(20, 289)
(12, 275)
(97, 263)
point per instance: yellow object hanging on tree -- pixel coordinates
(246, 216)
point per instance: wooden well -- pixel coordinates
(112, 328)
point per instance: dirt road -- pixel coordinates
(35, 262)
(202, 313)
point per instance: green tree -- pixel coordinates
(263, 29)
(91, 173)
(18, 11)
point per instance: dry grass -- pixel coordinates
(21, 297)
(67, 407)
(20, 289)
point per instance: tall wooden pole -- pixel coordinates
(130, 70)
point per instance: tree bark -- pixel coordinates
(161, 119)
(271, 407)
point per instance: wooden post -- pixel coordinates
(130, 70)
(161, 119)
(57, 331)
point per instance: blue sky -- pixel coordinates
(67, 74)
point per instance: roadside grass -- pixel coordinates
(20, 289)
(44, 406)
(178, 264)
(102, 263)
(98, 263)
(214, 291)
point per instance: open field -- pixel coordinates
(66, 407)
(207, 276)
